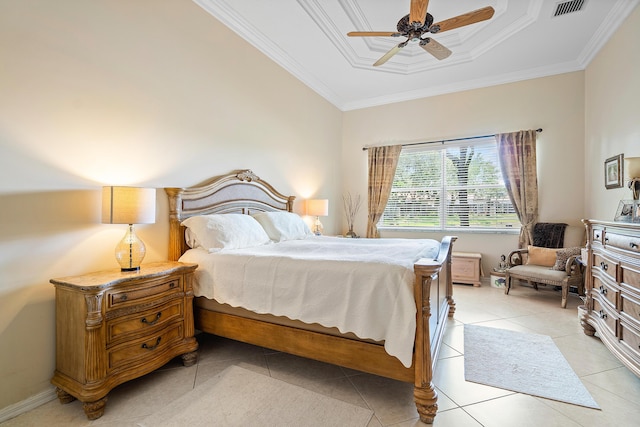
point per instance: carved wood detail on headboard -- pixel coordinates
(241, 191)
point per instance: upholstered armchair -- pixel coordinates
(546, 266)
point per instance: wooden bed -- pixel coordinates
(244, 192)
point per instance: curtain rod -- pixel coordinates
(442, 141)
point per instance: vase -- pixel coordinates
(351, 233)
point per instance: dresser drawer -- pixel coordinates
(596, 234)
(606, 316)
(605, 290)
(626, 242)
(605, 266)
(630, 307)
(630, 338)
(151, 319)
(140, 350)
(630, 276)
(149, 291)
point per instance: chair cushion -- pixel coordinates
(537, 272)
(563, 255)
(541, 256)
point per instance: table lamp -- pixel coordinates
(129, 205)
(317, 208)
(632, 171)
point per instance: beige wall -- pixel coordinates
(141, 93)
(612, 114)
(555, 104)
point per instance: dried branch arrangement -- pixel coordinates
(351, 208)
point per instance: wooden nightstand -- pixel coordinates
(466, 267)
(113, 326)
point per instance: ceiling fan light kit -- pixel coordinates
(419, 23)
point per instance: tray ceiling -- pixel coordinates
(523, 40)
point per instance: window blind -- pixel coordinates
(450, 186)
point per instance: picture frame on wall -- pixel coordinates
(613, 173)
(628, 211)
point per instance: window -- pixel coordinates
(450, 187)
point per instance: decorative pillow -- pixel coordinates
(224, 231)
(282, 226)
(563, 255)
(545, 257)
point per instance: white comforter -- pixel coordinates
(363, 286)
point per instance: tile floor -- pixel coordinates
(461, 403)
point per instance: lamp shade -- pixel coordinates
(128, 205)
(632, 167)
(317, 207)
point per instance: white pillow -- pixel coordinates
(224, 231)
(282, 226)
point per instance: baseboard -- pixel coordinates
(28, 404)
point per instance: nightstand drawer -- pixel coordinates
(140, 350)
(152, 319)
(136, 294)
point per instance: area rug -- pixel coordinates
(239, 397)
(521, 362)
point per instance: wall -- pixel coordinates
(141, 93)
(555, 104)
(612, 114)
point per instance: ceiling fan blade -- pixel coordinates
(462, 20)
(434, 48)
(389, 54)
(373, 34)
(418, 11)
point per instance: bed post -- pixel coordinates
(427, 271)
(175, 229)
(424, 393)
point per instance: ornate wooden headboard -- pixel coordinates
(241, 191)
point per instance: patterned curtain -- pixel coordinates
(518, 161)
(382, 168)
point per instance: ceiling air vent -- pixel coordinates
(568, 7)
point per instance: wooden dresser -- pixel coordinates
(113, 326)
(613, 288)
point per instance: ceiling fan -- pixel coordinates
(418, 23)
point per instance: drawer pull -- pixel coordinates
(604, 266)
(603, 316)
(597, 235)
(603, 290)
(152, 347)
(633, 245)
(154, 321)
(123, 297)
(172, 285)
(606, 239)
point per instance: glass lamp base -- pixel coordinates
(317, 227)
(130, 251)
